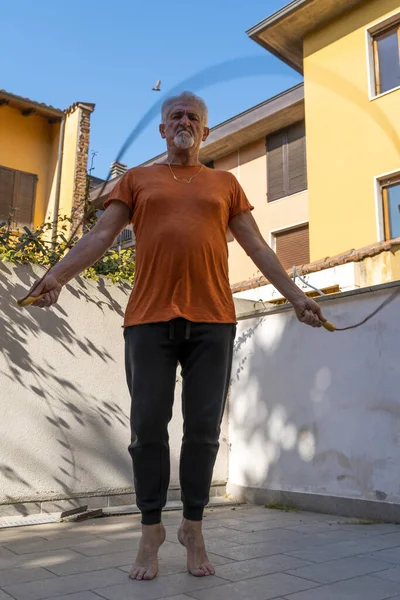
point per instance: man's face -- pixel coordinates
(184, 126)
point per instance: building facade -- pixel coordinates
(43, 160)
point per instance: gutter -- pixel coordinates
(276, 16)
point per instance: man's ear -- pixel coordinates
(206, 133)
(161, 129)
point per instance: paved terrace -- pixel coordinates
(259, 554)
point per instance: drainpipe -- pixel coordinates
(60, 155)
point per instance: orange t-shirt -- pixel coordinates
(181, 247)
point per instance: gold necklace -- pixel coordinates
(182, 180)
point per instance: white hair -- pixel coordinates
(185, 97)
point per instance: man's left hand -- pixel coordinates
(308, 311)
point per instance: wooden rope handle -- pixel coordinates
(328, 326)
(29, 300)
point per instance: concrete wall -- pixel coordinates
(352, 135)
(315, 414)
(249, 165)
(64, 429)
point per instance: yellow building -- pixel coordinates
(43, 159)
(348, 51)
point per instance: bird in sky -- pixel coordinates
(156, 88)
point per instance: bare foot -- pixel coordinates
(190, 536)
(146, 564)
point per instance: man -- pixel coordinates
(180, 311)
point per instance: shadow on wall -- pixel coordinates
(30, 372)
(307, 405)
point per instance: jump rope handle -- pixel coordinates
(28, 300)
(328, 326)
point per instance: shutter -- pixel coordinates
(297, 158)
(276, 154)
(7, 177)
(24, 200)
(293, 247)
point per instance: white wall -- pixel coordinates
(319, 412)
(64, 426)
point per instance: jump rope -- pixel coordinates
(223, 72)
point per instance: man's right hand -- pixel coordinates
(50, 286)
(89, 249)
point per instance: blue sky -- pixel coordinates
(111, 54)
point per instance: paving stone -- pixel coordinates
(269, 535)
(10, 536)
(246, 569)
(359, 588)
(259, 588)
(23, 575)
(91, 563)
(41, 559)
(371, 529)
(4, 596)
(44, 545)
(234, 524)
(392, 574)
(313, 528)
(391, 555)
(322, 554)
(4, 552)
(99, 547)
(337, 570)
(161, 587)
(332, 536)
(77, 596)
(57, 586)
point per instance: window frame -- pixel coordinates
(372, 33)
(384, 184)
(17, 173)
(275, 232)
(284, 132)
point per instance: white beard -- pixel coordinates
(183, 140)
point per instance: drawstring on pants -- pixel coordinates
(172, 330)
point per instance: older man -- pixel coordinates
(180, 311)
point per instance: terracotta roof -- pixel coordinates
(20, 101)
(325, 263)
(40, 108)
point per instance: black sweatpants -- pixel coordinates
(152, 353)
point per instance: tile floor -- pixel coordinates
(259, 554)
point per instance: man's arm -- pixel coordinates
(246, 231)
(85, 253)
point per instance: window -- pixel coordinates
(17, 196)
(386, 46)
(126, 238)
(391, 208)
(293, 246)
(286, 162)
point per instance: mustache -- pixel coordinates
(185, 131)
